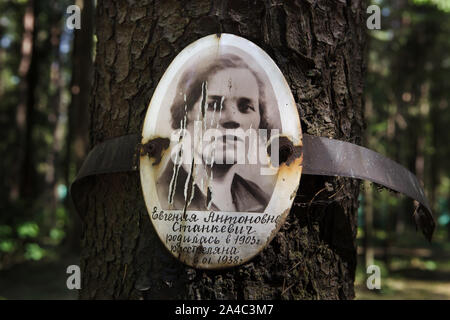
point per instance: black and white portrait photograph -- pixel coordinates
(224, 111)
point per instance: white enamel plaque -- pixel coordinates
(213, 183)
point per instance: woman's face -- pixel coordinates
(232, 107)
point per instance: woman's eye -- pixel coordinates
(213, 105)
(246, 107)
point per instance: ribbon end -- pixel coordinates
(424, 220)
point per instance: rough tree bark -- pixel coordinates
(319, 46)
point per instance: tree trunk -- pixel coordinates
(80, 87)
(53, 171)
(77, 138)
(22, 181)
(319, 47)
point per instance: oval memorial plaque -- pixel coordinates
(222, 152)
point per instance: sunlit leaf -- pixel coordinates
(57, 234)
(34, 252)
(28, 229)
(7, 246)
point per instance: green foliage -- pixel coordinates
(443, 5)
(7, 246)
(34, 252)
(28, 230)
(57, 234)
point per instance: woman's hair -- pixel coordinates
(192, 80)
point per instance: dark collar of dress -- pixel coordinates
(247, 196)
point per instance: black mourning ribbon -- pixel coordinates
(321, 156)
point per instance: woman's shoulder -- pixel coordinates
(247, 195)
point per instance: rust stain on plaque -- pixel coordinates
(154, 148)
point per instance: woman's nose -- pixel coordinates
(229, 119)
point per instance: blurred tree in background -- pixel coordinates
(43, 124)
(408, 119)
(407, 106)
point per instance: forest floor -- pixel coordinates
(425, 280)
(417, 270)
(38, 280)
(419, 273)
